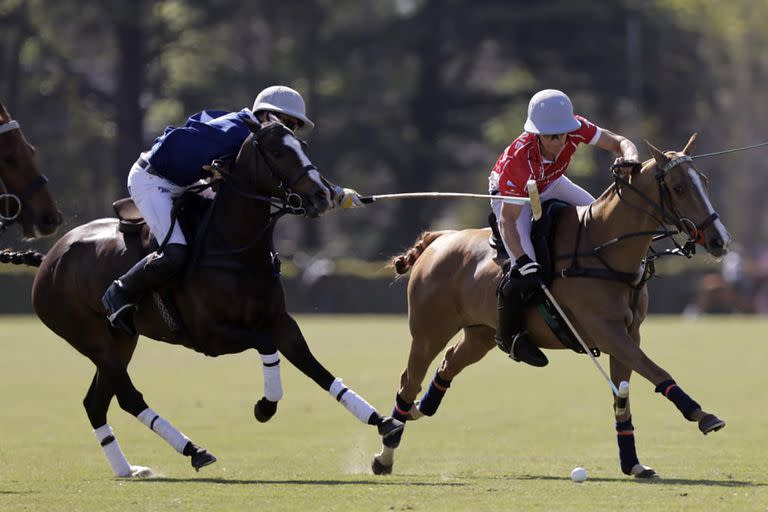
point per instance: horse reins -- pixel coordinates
(6, 218)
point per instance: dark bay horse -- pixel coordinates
(454, 278)
(24, 195)
(229, 301)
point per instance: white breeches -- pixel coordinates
(154, 197)
(563, 189)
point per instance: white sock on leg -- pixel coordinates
(115, 456)
(164, 429)
(273, 386)
(351, 400)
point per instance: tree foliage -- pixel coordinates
(408, 95)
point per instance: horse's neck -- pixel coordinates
(612, 216)
(238, 222)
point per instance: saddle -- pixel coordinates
(190, 210)
(542, 237)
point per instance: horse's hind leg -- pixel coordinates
(477, 341)
(112, 379)
(96, 403)
(293, 346)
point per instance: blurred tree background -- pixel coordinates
(408, 95)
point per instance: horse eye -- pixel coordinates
(679, 189)
(10, 160)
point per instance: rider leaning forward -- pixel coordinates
(542, 153)
(178, 160)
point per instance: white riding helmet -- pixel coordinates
(283, 99)
(550, 112)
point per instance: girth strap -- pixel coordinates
(601, 273)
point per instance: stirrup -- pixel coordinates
(523, 350)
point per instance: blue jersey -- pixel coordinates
(179, 154)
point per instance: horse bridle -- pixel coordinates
(290, 199)
(669, 215)
(666, 206)
(6, 218)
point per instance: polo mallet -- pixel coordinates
(441, 195)
(533, 194)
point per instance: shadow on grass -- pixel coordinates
(161, 480)
(650, 481)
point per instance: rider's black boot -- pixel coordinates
(151, 272)
(510, 334)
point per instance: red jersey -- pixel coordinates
(522, 161)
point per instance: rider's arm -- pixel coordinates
(507, 219)
(618, 144)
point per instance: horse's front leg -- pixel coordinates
(291, 343)
(227, 337)
(625, 431)
(615, 341)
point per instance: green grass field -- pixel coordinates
(506, 437)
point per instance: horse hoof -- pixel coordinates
(640, 471)
(141, 472)
(380, 469)
(202, 458)
(264, 410)
(390, 427)
(710, 423)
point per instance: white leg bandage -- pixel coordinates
(164, 429)
(273, 387)
(115, 456)
(351, 400)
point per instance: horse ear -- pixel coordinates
(660, 158)
(4, 115)
(688, 150)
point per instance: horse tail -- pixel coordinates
(29, 258)
(402, 263)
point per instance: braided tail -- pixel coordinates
(402, 263)
(29, 258)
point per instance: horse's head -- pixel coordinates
(24, 196)
(685, 201)
(278, 165)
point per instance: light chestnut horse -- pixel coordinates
(24, 196)
(454, 277)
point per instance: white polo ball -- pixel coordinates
(578, 474)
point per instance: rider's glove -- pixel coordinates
(527, 267)
(625, 166)
(348, 198)
(530, 274)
